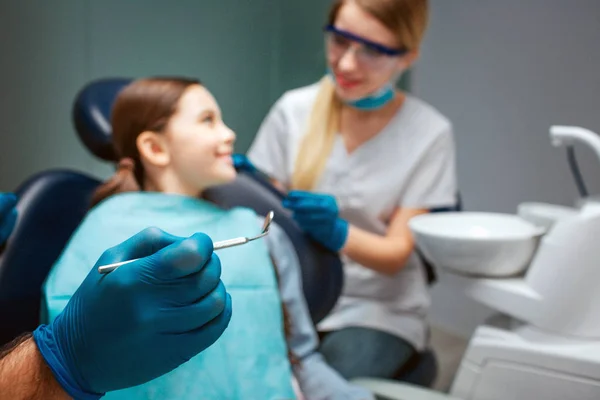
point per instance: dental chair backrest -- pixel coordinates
(51, 205)
(322, 272)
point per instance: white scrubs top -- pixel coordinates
(410, 163)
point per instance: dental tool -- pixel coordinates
(105, 269)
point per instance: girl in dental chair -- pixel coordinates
(173, 144)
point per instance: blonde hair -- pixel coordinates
(408, 19)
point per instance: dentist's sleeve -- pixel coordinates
(317, 380)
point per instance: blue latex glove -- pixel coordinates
(8, 215)
(140, 321)
(242, 163)
(318, 215)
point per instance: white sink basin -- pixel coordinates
(479, 244)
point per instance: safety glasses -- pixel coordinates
(368, 53)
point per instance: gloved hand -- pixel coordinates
(8, 215)
(242, 163)
(317, 215)
(140, 321)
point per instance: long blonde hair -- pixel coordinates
(408, 19)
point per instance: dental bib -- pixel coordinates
(249, 361)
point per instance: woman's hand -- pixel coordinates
(318, 215)
(242, 163)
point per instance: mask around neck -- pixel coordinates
(373, 101)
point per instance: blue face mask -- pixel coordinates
(373, 101)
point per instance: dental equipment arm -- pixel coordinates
(566, 136)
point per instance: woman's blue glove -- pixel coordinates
(140, 321)
(8, 215)
(317, 215)
(242, 163)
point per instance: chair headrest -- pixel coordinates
(91, 115)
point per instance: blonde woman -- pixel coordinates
(358, 159)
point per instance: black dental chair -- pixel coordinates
(52, 204)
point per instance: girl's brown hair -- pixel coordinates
(143, 105)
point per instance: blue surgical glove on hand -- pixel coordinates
(8, 215)
(140, 321)
(318, 215)
(242, 163)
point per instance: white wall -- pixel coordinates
(504, 71)
(43, 64)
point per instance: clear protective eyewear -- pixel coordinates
(368, 54)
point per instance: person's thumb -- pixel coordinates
(142, 244)
(182, 258)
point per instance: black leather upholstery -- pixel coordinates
(322, 271)
(50, 207)
(91, 115)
